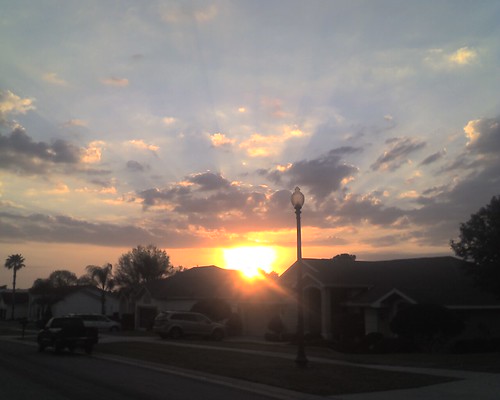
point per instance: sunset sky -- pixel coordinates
(187, 125)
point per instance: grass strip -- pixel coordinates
(319, 378)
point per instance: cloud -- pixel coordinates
(397, 154)
(93, 152)
(114, 81)
(11, 103)
(433, 157)
(210, 202)
(209, 181)
(169, 120)
(221, 140)
(274, 108)
(140, 144)
(357, 208)
(75, 122)
(463, 56)
(52, 77)
(439, 59)
(64, 229)
(20, 153)
(136, 166)
(322, 176)
(483, 135)
(191, 185)
(269, 145)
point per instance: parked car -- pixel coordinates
(101, 322)
(67, 332)
(176, 324)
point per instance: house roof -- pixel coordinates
(438, 280)
(65, 291)
(205, 283)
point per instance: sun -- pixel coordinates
(249, 260)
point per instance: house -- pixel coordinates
(253, 302)
(22, 304)
(84, 299)
(344, 297)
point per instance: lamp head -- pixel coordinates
(297, 199)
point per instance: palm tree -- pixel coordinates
(102, 278)
(14, 262)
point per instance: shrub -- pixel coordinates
(429, 326)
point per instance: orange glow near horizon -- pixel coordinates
(249, 260)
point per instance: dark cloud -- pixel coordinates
(397, 154)
(484, 135)
(388, 240)
(209, 181)
(196, 183)
(136, 166)
(433, 158)
(356, 209)
(213, 203)
(219, 202)
(20, 153)
(441, 209)
(345, 150)
(154, 196)
(322, 176)
(64, 229)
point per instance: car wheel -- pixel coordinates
(113, 329)
(88, 349)
(176, 333)
(218, 334)
(41, 347)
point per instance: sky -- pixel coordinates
(187, 125)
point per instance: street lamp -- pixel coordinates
(301, 360)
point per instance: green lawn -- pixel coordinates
(318, 378)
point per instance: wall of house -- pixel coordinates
(84, 303)
(20, 311)
(371, 320)
(255, 317)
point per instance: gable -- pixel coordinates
(378, 299)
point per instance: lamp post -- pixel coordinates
(301, 360)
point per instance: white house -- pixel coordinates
(73, 299)
(22, 306)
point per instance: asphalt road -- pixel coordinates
(26, 374)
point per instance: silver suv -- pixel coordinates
(101, 322)
(176, 324)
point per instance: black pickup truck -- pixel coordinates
(67, 332)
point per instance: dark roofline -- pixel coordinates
(441, 280)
